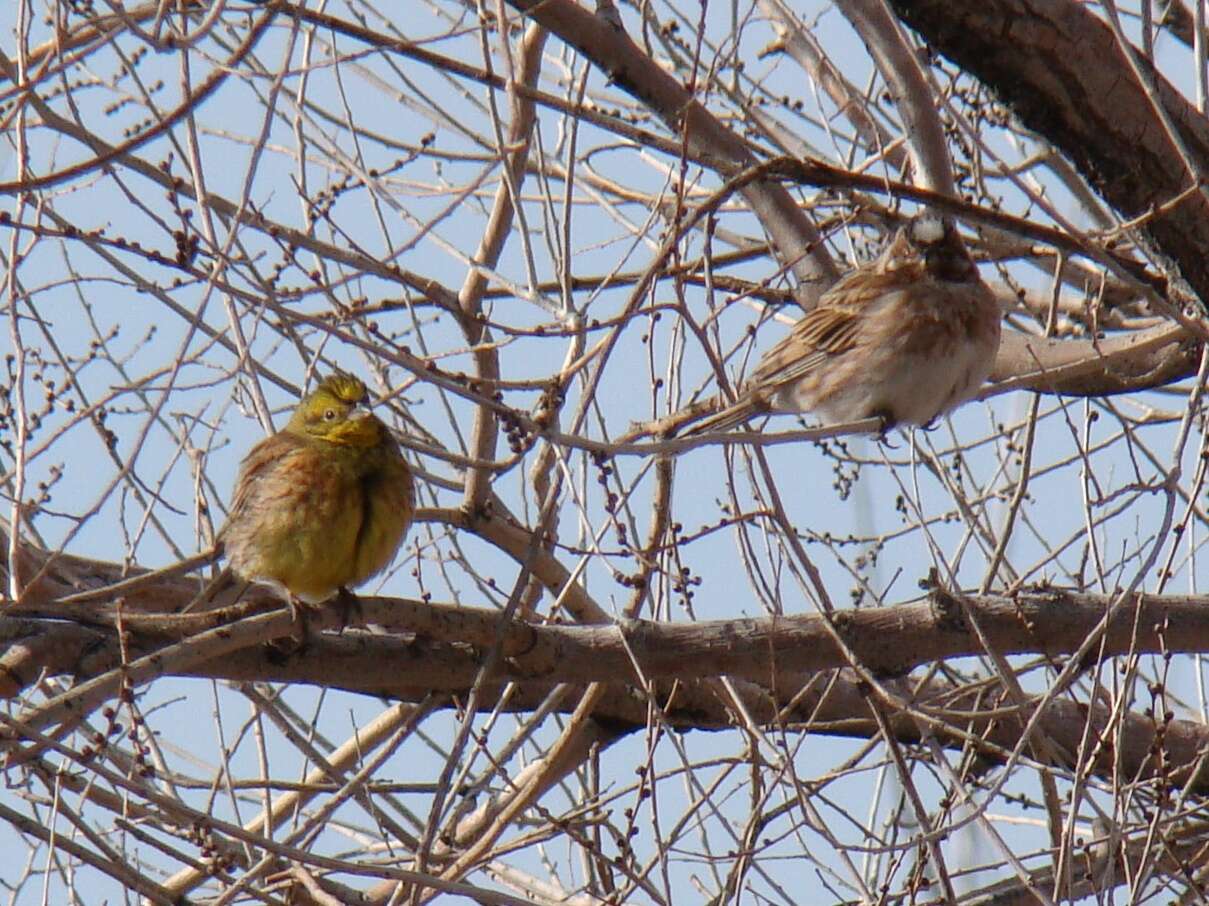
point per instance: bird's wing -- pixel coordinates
(816, 337)
(842, 315)
(259, 461)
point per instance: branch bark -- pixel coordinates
(1062, 72)
(788, 663)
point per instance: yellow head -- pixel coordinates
(335, 412)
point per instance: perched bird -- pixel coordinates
(324, 503)
(907, 338)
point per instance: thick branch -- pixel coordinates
(1062, 72)
(1122, 363)
(884, 640)
(438, 647)
(1135, 745)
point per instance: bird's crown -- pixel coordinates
(929, 228)
(343, 387)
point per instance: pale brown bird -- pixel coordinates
(905, 338)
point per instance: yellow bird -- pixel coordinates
(323, 504)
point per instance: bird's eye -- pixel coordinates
(329, 415)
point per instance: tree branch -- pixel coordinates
(1062, 72)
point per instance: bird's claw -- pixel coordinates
(350, 607)
(284, 647)
(888, 422)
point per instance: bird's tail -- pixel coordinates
(725, 418)
(713, 414)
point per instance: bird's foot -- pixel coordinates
(888, 422)
(284, 647)
(350, 607)
(298, 614)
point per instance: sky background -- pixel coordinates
(95, 315)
